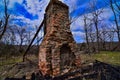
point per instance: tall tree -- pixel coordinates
(86, 28)
(4, 24)
(96, 20)
(21, 32)
(116, 11)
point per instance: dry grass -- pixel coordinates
(4, 61)
(104, 56)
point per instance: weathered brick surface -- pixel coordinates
(57, 50)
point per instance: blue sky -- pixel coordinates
(29, 13)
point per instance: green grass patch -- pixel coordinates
(108, 57)
(8, 61)
(12, 60)
(104, 56)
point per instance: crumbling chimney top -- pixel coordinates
(55, 2)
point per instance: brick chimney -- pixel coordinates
(58, 48)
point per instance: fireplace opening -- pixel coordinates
(65, 57)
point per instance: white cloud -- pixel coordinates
(77, 24)
(12, 2)
(72, 4)
(35, 7)
(107, 13)
(78, 36)
(27, 21)
(78, 33)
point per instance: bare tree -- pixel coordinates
(115, 7)
(21, 32)
(103, 37)
(86, 28)
(9, 36)
(116, 11)
(96, 20)
(4, 24)
(106, 36)
(39, 28)
(11, 31)
(111, 36)
(92, 39)
(28, 37)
